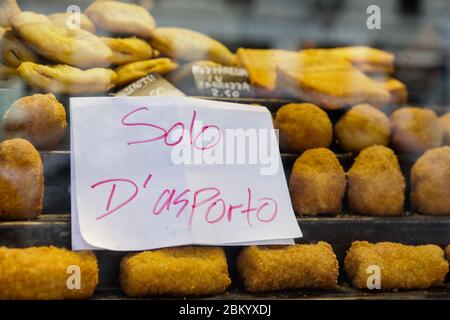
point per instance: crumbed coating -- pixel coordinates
(121, 18)
(430, 182)
(401, 266)
(303, 126)
(179, 271)
(415, 130)
(61, 19)
(445, 124)
(21, 180)
(126, 50)
(376, 185)
(39, 118)
(130, 72)
(42, 273)
(270, 268)
(188, 45)
(64, 79)
(317, 183)
(362, 126)
(13, 52)
(8, 10)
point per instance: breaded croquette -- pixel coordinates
(269, 268)
(303, 126)
(179, 271)
(21, 180)
(39, 118)
(376, 185)
(430, 182)
(317, 183)
(44, 273)
(445, 124)
(401, 266)
(361, 127)
(415, 130)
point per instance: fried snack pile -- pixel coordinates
(41, 273)
(430, 182)
(62, 19)
(445, 124)
(376, 185)
(414, 130)
(362, 126)
(13, 52)
(317, 183)
(288, 267)
(75, 47)
(126, 50)
(180, 271)
(135, 70)
(401, 266)
(303, 126)
(21, 181)
(40, 119)
(65, 79)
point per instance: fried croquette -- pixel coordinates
(130, 72)
(303, 126)
(126, 50)
(21, 180)
(64, 19)
(415, 130)
(40, 119)
(73, 46)
(13, 52)
(430, 182)
(44, 273)
(179, 271)
(445, 124)
(121, 18)
(270, 268)
(361, 127)
(401, 266)
(376, 185)
(317, 183)
(64, 79)
(8, 10)
(188, 45)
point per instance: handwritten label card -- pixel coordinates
(152, 172)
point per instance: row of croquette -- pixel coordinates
(51, 273)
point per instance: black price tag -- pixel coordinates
(151, 85)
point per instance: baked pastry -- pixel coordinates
(269, 268)
(130, 72)
(376, 185)
(40, 119)
(179, 271)
(415, 130)
(445, 124)
(362, 126)
(6, 72)
(121, 18)
(43, 273)
(8, 10)
(126, 50)
(397, 90)
(401, 266)
(21, 181)
(430, 182)
(76, 47)
(303, 126)
(317, 183)
(188, 45)
(13, 52)
(65, 79)
(61, 19)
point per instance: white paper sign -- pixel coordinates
(152, 172)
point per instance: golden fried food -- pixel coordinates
(47, 273)
(76, 47)
(21, 181)
(317, 183)
(13, 52)
(376, 185)
(401, 266)
(121, 18)
(64, 19)
(445, 124)
(65, 79)
(6, 72)
(179, 271)
(397, 90)
(8, 10)
(415, 130)
(362, 126)
(430, 182)
(126, 50)
(189, 45)
(303, 126)
(269, 268)
(130, 72)
(40, 119)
